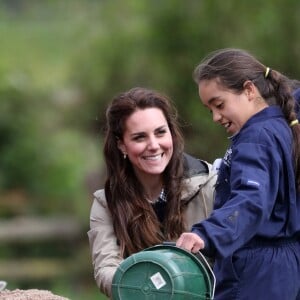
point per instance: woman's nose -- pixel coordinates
(153, 143)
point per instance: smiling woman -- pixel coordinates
(153, 191)
(147, 141)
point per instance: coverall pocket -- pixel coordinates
(240, 262)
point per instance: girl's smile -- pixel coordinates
(228, 108)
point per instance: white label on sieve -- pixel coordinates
(158, 280)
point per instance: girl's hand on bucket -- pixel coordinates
(190, 242)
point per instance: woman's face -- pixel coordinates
(147, 141)
(229, 109)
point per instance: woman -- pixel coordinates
(153, 191)
(254, 230)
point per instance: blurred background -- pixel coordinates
(61, 62)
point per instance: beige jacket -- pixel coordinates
(105, 251)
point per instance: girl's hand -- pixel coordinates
(190, 242)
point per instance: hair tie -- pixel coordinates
(267, 72)
(294, 122)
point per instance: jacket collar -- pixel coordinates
(193, 184)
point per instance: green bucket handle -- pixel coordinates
(204, 261)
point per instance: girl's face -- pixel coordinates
(147, 141)
(229, 109)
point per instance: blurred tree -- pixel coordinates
(158, 44)
(35, 153)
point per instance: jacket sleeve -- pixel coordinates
(103, 244)
(199, 194)
(208, 189)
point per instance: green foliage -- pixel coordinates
(43, 158)
(158, 45)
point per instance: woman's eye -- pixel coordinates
(219, 106)
(138, 138)
(161, 132)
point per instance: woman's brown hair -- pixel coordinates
(134, 220)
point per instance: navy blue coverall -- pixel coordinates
(254, 229)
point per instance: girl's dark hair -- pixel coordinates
(233, 67)
(135, 223)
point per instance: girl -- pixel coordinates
(254, 229)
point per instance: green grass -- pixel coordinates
(38, 42)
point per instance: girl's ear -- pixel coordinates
(249, 89)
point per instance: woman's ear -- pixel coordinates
(121, 146)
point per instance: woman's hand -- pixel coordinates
(190, 242)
